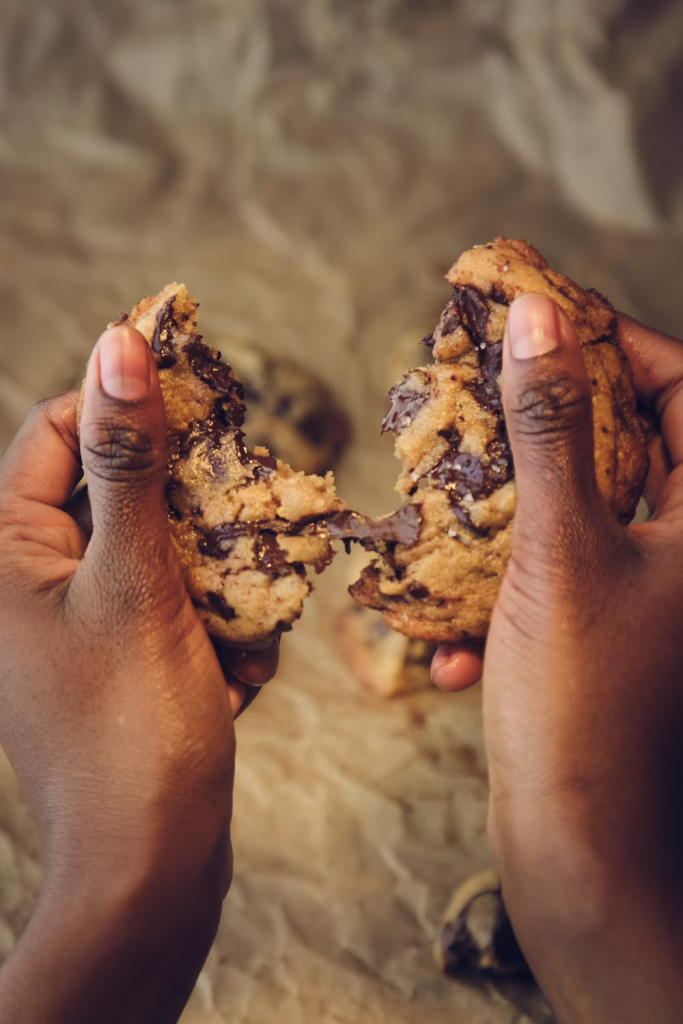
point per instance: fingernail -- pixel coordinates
(124, 364)
(534, 326)
(441, 660)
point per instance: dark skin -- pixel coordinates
(117, 713)
(117, 716)
(583, 693)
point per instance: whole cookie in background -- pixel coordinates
(245, 525)
(457, 469)
(290, 411)
(476, 934)
(386, 662)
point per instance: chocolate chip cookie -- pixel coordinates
(382, 660)
(290, 410)
(452, 442)
(245, 525)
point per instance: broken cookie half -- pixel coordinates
(451, 439)
(245, 525)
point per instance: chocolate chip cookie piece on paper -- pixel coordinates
(290, 411)
(452, 443)
(385, 662)
(245, 525)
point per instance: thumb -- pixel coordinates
(547, 400)
(123, 448)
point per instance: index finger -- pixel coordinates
(657, 363)
(42, 465)
(254, 668)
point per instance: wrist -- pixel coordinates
(124, 943)
(603, 943)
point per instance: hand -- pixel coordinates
(583, 689)
(114, 710)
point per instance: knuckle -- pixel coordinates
(114, 452)
(551, 408)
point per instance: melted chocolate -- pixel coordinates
(487, 395)
(162, 340)
(487, 392)
(428, 340)
(460, 475)
(472, 312)
(241, 450)
(270, 557)
(405, 404)
(463, 475)
(212, 430)
(492, 360)
(220, 541)
(403, 527)
(450, 325)
(498, 295)
(418, 591)
(218, 376)
(221, 606)
(264, 468)
(463, 515)
(450, 434)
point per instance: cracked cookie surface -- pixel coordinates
(245, 525)
(457, 469)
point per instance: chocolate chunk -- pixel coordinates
(498, 295)
(264, 468)
(472, 312)
(270, 557)
(491, 360)
(218, 376)
(461, 475)
(220, 605)
(468, 476)
(243, 453)
(428, 340)
(211, 431)
(463, 515)
(418, 591)
(450, 325)
(403, 527)
(220, 541)
(162, 340)
(451, 435)
(487, 395)
(406, 402)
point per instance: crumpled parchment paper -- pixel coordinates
(310, 169)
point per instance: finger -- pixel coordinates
(548, 409)
(251, 693)
(657, 365)
(123, 445)
(236, 695)
(42, 464)
(457, 666)
(251, 667)
(658, 473)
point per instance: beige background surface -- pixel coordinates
(310, 168)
